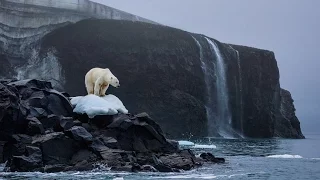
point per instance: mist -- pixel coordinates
(290, 28)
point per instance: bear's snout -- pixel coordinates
(118, 85)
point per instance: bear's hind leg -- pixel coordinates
(97, 87)
(89, 88)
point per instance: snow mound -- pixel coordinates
(288, 156)
(93, 105)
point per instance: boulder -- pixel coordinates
(56, 148)
(28, 162)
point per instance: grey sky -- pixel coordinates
(290, 28)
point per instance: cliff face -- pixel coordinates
(288, 125)
(193, 85)
(24, 22)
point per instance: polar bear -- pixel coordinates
(97, 81)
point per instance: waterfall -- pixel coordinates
(218, 115)
(208, 75)
(240, 87)
(223, 114)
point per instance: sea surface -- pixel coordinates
(245, 159)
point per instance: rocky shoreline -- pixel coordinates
(40, 132)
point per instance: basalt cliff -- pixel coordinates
(194, 85)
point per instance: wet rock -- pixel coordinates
(83, 155)
(28, 162)
(2, 143)
(54, 168)
(208, 157)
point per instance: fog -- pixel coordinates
(290, 28)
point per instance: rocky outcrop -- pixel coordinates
(39, 132)
(288, 125)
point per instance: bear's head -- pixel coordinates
(111, 79)
(114, 82)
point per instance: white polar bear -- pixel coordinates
(97, 81)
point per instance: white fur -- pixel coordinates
(97, 81)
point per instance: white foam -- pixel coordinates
(190, 144)
(288, 156)
(93, 105)
(203, 146)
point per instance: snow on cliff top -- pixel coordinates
(93, 105)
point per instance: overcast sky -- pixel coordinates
(290, 28)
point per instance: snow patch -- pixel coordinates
(287, 156)
(93, 105)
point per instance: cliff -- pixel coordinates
(193, 84)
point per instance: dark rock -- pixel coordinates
(148, 168)
(50, 121)
(56, 148)
(34, 126)
(64, 124)
(288, 125)
(22, 101)
(81, 166)
(83, 155)
(208, 157)
(140, 133)
(17, 146)
(110, 142)
(127, 168)
(54, 168)
(32, 160)
(79, 133)
(2, 143)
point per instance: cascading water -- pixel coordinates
(218, 116)
(223, 114)
(208, 75)
(240, 87)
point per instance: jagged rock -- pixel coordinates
(79, 133)
(83, 155)
(2, 143)
(54, 143)
(34, 126)
(54, 168)
(27, 99)
(50, 121)
(208, 157)
(16, 146)
(56, 148)
(288, 125)
(28, 162)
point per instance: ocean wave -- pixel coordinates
(203, 146)
(288, 156)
